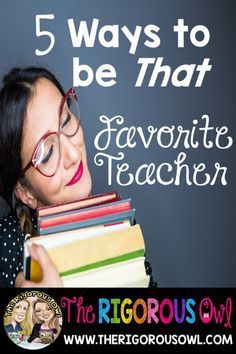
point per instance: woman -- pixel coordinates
(18, 324)
(46, 324)
(42, 161)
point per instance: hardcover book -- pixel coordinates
(95, 244)
(83, 203)
(83, 214)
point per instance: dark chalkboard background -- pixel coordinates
(189, 230)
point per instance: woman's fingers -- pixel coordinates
(39, 254)
(20, 281)
(50, 273)
(51, 276)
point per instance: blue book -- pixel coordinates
(104, 220)
(77, 214)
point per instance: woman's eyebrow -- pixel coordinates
(51, 131)
(61, 106)
(59, 112)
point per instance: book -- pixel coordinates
(97, 199)
(79, 234)
(88, 253)
(83, 214)
(102, 220)
(31, 268)
(116, 273)
(95, 244)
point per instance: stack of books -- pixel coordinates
(92, 242)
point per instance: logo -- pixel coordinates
(33, 320)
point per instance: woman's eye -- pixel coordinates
(49, 154)
(66, 121)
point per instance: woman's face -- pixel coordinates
(43, 117)
(19, 311)
(44, 312)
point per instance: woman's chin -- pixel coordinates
(80, 190)
(70, 193)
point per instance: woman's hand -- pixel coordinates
(51, 276)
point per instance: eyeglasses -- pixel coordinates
(47, 154)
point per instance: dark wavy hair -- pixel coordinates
(18, 88)
(54, 322)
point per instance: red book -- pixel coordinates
(85, 214)
(97, 199)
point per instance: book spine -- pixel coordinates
(58, 208)
(84, 215)
(90, 222)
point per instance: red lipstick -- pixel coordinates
(77, 176)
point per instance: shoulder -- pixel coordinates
(11, 249)
(9, 225)
(8, 328)
(9, 220)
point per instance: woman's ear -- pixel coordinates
(22, 193)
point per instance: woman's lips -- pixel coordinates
(77, 176)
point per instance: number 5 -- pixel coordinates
(44, 33)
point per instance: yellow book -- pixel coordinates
(83, 253)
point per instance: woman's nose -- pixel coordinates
(70, 153)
